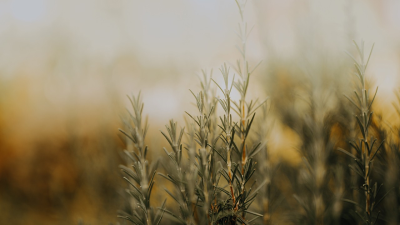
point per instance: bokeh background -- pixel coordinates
(67, 66)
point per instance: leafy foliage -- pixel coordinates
(213, 168)
(366, 153)
(140, 177)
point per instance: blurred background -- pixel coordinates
(67, 66)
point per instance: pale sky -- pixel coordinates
(188, 35)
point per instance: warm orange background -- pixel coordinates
(66, 66)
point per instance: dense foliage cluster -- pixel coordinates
(217, 168)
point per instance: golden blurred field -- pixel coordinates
(67, 66)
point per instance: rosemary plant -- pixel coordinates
(366, 153)
(214, 207)
(195, 182)
(244, 109)
(211, 147)
(246, 112)
(140, 177)
(205, 157)
(239, 198)
(177, 175)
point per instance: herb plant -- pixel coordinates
(364, 159)
(217, 168)
(140, 177)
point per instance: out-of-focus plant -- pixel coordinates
(319, 201)
(270, 199)
(392, 202)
